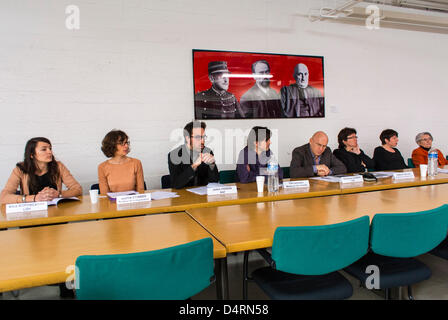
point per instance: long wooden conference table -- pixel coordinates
(252, 226)
(247, 193)
(46, 255)
(247, 221)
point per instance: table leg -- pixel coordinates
(222, 279)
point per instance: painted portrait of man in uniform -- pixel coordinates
(217, 102)
(242, 85)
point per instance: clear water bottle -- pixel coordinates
(273, 184)
(433, 162)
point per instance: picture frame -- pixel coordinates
(249, 85)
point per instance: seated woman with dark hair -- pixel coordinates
(120, 172)
(255, 155)
(354, 159)
(420, 155)
(39, 176)
(386, 156)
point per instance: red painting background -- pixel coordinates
(282, 68)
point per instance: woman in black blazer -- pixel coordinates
(354, 159)
(387, 156)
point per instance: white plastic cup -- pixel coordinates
(423, 170)
(260, 183)
(94, 196)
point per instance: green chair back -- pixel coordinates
(410, 163)
(227, 176)
(286, 173)
(316, 250)
(405, 235)
(173, 273)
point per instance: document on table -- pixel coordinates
(114, 195)
(55, 201)
(158, 195)
(202, 191)
(328, 179)
(382, 174)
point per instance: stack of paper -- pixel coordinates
(382, 174)
(158, 195)
(114, 195)
(328, 179)
(202, 191)
(56, 200)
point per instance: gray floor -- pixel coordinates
(436, 288)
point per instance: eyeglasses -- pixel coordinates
(198, 137)
(426, 139)
(353, 137)
(122, 143)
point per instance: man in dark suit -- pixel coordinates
(300, 100)
(261, 101)
(315, 159)
(192, 164)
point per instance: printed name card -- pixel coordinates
(26, 215)
(221, 190)
(403, 175)
(134, 198)
(296, 184)
(352, 179)
(26, 207)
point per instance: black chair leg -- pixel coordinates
(410, 296)
(245, 274)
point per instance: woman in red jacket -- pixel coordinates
(420, 155)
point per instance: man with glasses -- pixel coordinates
(420, 155)
(315, 159)
(192, 164)
(217, 102)
(354, 159)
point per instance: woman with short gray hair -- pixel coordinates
(420, 155)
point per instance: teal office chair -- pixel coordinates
(395, 240)
(305, 260)
(410, 163)
(173, 273)
(227, 176)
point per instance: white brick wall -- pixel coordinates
(130, 67)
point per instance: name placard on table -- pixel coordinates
(26, 207)
(296, 184)
(26, 215)
(134, 198)
(358, 179)
(407, 175)
(221, 190)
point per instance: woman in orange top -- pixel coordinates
(39, 176)
(120, 172)
(420, 155)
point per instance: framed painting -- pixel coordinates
(245, 85)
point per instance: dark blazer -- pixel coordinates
(250, 157)
(352, 161)
(182, 174)
(302, 162)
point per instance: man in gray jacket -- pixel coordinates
(315, 159)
